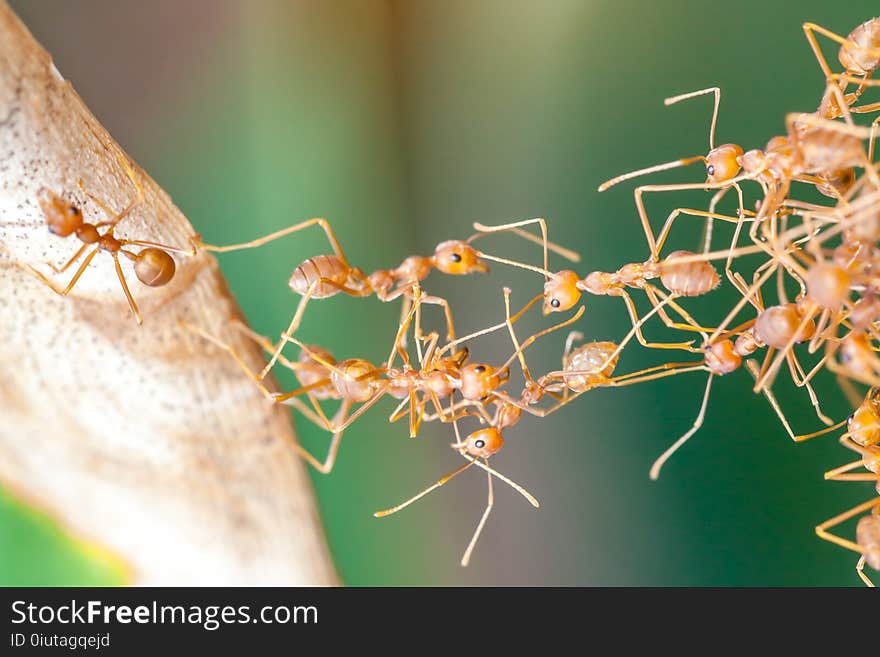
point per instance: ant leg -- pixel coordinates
(657, 298)
(694, 94)
(320, 221)
(640, 204)
(860, 571)
(770, 373)
(131, 302)
(797, 371)
(361, 410)
(510, 482)
(326, 466)
(466, 558)
(232, 352)
(822, 530)
(637, 326)
(533, 338)
(515, 228)
(683, 162)
(842, 473)
(476, 334)
(192, 251)
(440, 482)
(771, 398)
(405, 306)
(647, 374)
(397, 345)
(298, 315)
(79, 272)
(114, 217)
(282, 397)
(675, 214)
(516, 345)
(264, 342)
(746, 298)
(76, 256)
(849, 390)
(447, 311)
(658, 464)
(809, 28)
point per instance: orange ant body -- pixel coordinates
(863, 437)
(476, 449)
(816, 151)
(153, 265)
(324, 276)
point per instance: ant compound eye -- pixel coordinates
(479, 444)
(554, 302)
(455, 257)
(710, 169)
(74, 210)
(480, 368)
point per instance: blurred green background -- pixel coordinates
(404, 122)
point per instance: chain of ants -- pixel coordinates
(827, 251)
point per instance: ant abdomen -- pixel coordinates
(154, 267)
(836, 183)
(318, 271)
(312, 371)
(862, 59)
(868, 538)
(777, 325)
(354, 380)
(689, 279)
(822, 150)
(828, 285)
(591, 357)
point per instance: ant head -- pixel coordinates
(154, 267)
(458, 258)
(561, 292)
(828, 285)
(863, 426)
(62, 217)
(722, 163)
(480, 379)
(721, 358)
(484, 442)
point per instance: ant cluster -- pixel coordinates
(826, 251)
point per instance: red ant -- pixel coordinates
(153, 265)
